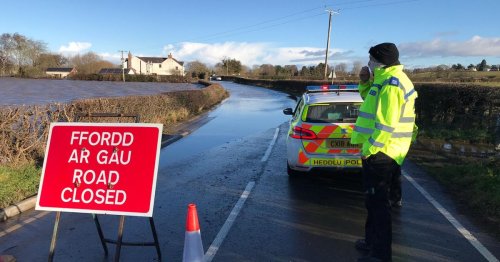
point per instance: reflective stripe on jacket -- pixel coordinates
(387, 116)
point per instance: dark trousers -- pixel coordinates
(395, 191)
(378, 171)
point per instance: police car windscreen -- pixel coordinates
(332, 113)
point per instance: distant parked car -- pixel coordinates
(217, 78)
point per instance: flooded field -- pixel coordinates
(14, 91)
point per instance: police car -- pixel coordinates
(320, 129)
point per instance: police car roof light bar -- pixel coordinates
(331, 88)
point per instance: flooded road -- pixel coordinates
(15, 91)
(249, 110)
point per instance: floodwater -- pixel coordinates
(15, 91)
(248, 111)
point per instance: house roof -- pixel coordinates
(113, 71)
(158, 60)
(60, 69)
(179, 62)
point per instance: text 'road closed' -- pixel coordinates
(100, 168)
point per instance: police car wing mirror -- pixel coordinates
(288, 111)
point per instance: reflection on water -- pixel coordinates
(248, 111)
(14, 91)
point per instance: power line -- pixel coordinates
(263, 25)
(263, 28)
(339, 5)
(381, 4)
(255, 25)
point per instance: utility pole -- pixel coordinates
(227, 65)
(330, 12)
(123, 67)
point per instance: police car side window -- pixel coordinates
(296, 111)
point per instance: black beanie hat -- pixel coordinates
(385, 53)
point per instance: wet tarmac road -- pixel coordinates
(303, 219)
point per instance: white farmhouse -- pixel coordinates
(155, 65)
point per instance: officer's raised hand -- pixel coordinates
(364, 74)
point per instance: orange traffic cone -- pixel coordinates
(193, 247)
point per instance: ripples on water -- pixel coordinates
(14, 91)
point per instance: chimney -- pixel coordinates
(170, 55)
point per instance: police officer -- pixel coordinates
(384, 127)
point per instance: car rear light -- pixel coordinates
(303, 133)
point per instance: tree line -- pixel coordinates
(483, 66)
(231, 66)
(26, 57)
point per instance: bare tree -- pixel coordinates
(254, 71)
(197, 69)
(267, 70)
(342, 67)
(292, 70)
(6, 49)
(245, 70)
(356, 67)
(89, 63)
(47, 60)
(228, 66)
(21, 51)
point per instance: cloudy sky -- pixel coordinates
(427, 32)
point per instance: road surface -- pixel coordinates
(233, 168)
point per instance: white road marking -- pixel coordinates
(228, 224)
(214, 247)
(270, 147)
(466, 233)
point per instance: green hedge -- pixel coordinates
(294, 87)
(130, 78)
(458, 111)
(451, 111)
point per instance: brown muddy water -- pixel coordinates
(15, 91)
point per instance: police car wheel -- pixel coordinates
(292, 173)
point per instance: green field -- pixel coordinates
(482, 78)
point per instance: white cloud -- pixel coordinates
(248, 53)
(112, 57)
(74, 47)
(476, 46)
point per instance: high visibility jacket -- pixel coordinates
(387, 116)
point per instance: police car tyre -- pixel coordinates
(291, 172)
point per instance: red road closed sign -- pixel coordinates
(102, 168)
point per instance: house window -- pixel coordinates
(159, 65)
(176, 68)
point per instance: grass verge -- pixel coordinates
(474, 183)
(17, 183)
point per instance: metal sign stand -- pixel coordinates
(119, 242)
